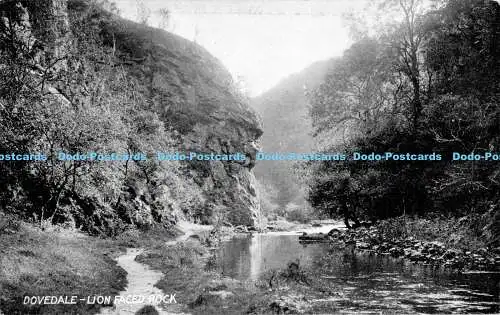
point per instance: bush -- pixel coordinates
(297, 213)
(367, 103)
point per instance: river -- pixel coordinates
(365, 282)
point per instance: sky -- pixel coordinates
(259, 41)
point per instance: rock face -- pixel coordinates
(50, 26)
(195, 95)
(190, 91)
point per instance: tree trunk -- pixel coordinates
(345, 212)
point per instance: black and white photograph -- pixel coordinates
(250, 157)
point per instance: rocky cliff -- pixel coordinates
(194, 95)
(182, 84)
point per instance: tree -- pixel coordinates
(462, 54)
(442, 67)
(165, 18)
(407, 44)
(143, 12)
(357, 92)
(404, 31)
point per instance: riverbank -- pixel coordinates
(440, 243)
(190, 272)
(182, 262)
(270, 273)
(55, 262)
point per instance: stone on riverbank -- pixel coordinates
(429, 253)
(288, 305)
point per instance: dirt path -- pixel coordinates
(141, 279)
(188, 229)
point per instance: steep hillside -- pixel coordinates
(284, 110)
(194, 95)
(287, 128)
(140, 90)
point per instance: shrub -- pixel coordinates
(298, 213)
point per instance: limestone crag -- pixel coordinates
(49, 25)
(195, 95)
(190, 90)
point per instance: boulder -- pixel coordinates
(334, 232)
(287, 305)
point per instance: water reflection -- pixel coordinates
(385, 283)
(367, 282)
(250, 256)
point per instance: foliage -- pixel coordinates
(268, 194)
(83, 100)
(299, 213)
(426, 83)
(356, 92)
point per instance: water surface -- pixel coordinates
(364, 281)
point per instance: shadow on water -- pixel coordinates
(365, 282)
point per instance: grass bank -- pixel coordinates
(199, 289)
(54, 262)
